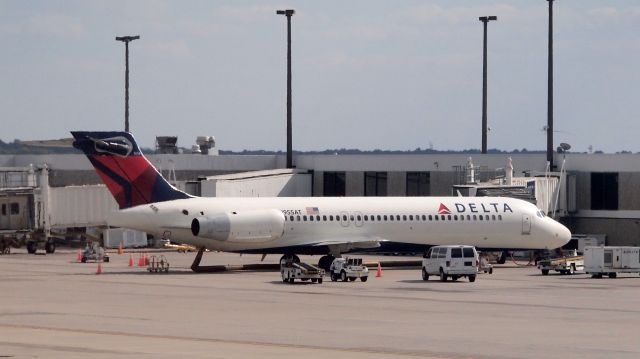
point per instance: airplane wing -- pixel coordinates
(350, 242)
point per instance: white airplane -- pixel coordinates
(306, 225)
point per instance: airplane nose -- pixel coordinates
(562, 235)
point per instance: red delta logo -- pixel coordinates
(443, 209)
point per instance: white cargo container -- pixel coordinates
(610, 261)
(128, 237)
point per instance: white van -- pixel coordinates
(450, 261)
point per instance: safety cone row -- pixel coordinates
(79, 256)
(142, 262)
(379, 271)
(99, 270)
(130, 259)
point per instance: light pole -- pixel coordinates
(550, 91)
(288, 13)
(126, 40)
(485, 20)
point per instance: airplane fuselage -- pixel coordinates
(345, 223)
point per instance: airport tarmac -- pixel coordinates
(52, 307)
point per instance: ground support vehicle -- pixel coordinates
(453, 261)
(348, 269)
(609, 261)
(484, 266)
(158, 264)
(564, 265)
(93, 252)
(291, 271)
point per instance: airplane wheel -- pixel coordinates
(32, 247)
(50, 247)
(325, 262)
(294, 258)
(503, 257)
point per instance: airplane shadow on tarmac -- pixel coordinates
(436, 282)
(177, 271)
(280, 282)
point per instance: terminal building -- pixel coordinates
(595, 194)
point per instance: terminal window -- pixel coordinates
(333, 184)
(418, 184)
(604, 191)
(375, 183)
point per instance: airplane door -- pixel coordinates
(4, 216)
(358, 219)
(344, 219)
(526, 224)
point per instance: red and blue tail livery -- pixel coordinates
(130, 177)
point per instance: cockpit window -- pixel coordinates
(540, 214)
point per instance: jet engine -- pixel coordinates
(241, 226)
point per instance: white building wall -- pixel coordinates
(258, 184)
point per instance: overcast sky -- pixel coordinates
(366, 74)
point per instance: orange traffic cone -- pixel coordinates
(99, 270)
(146, 260)
(130, 259)
(379, 271)
(79, 256)
(120, 250)
(141, 261)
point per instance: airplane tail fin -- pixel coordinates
(129, 176)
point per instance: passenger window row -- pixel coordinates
(395, 218)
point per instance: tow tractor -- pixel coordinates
(93, 252)
(348, 269)
(292, 270)
(564, 265)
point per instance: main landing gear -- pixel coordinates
(325, 262)
(289, 258)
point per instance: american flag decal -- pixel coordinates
(312, 211)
